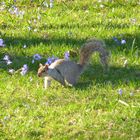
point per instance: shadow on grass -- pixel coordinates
(115, 76)
(35, 41)
(131, 40)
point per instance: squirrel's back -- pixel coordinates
(66, 67)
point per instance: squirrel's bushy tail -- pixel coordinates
(91, 46)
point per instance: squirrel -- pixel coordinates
(68, 72)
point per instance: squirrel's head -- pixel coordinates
(42, 71)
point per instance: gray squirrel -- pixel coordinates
(68, 72)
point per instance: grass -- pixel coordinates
(93, 109)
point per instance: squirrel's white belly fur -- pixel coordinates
(68, 70)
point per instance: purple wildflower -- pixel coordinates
(67, 55)
(120, 91)
(37, 57)
(51, 60)
(24, 70)
(2, 43)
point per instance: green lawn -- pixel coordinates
(102, 105)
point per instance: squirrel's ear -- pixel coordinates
(46, 66)
(40, 65)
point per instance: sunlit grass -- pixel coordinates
(94, 108)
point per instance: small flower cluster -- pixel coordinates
(52, 59)
(15, 11)
(47, 5)
(2, 6)
(122, 42)
(36, 57)
(24, 69)
(133, 21)
(120, 92)
(6, 58)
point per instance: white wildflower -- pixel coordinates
(123, 41)
(35, 30)
(24, 46)
(11, 71)
(6, 57)
(38, 17)
(133, 21)
(8, 62)
(101, 6)
(131, 94)
(31, 79)
(29, 28)
(35, 21)
(45, 4)
(51, 5)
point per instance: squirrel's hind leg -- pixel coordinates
(70, 81)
